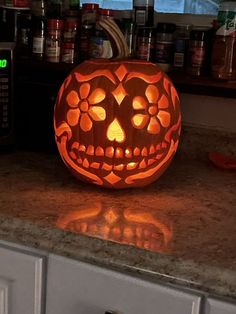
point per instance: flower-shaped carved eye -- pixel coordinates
(154, 115)
(83, 107)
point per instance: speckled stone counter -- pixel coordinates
(179, 230)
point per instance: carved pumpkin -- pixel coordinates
(117, 122)
(146, 229)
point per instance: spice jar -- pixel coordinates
(181, 43)
(89, 17)
(143, 12)
(53, 40)
(38, 25)
(223, 61)
(198, 53)
(164, 45)
(145, 44)
(100, 46)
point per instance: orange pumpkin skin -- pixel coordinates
(117, 123)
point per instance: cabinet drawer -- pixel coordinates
(79, 288)
(214, 306)
(21, 281)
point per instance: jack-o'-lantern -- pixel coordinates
(146, 229)
(117, 122)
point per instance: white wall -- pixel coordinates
(209, 112)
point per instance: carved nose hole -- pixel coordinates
(115, 132)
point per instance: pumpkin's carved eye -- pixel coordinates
(151, 111)
(83, 107)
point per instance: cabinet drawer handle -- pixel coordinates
(110, 312)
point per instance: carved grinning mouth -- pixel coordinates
(118, 158)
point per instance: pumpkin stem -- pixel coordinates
(119, 46)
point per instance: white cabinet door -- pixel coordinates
(21, 281)
(78, 288)
(214, 306)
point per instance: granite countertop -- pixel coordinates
(179, 230)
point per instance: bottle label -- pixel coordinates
(52, 51)
(226, 21)
(179, 59)
(140, 17)
(197, 56)
(38, 45)
(164, 52)
(100, 48)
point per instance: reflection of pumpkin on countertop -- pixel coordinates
(117, 122)
(143, 228)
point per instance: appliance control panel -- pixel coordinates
(6, 89)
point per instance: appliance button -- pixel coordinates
(4, 79)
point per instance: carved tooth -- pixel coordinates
(131, 165)
(119, 152)
(151, 161)
(144, 152)
(79, 160)
(109, 152)
(139, 232)
(159, 156)
(84, 226)
(90, 150)
(128, 152)
(136, 151)
(95, 165)
(106, 166)
(119, 167)
(75, 145)
(93, 228)
(99, 151)
(142, 164)
(72, 154)
(146, 245)
(158, 147)
(82, 148)
(116, 232)
(128, 233)
(85, 163)
(163, 145)
(152, 149)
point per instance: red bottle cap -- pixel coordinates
(106, 12)
(90, 6)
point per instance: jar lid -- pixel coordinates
(166, 27)
(199, 33)
(55, 23)
(90, 6)
(106, 12)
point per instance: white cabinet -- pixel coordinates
(21, 281)
(214, 306)
(78, 288)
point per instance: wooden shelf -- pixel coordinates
(183, 82)
(203, 85)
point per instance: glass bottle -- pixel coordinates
(181, 43)
(100, 46)
(198, 52)
(38, 28)
(143, 12)
(53, 40)
(223, 60)
(164, 45)
(89, 17)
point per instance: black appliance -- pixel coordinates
(6, 94)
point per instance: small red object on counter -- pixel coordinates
(222, 161)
